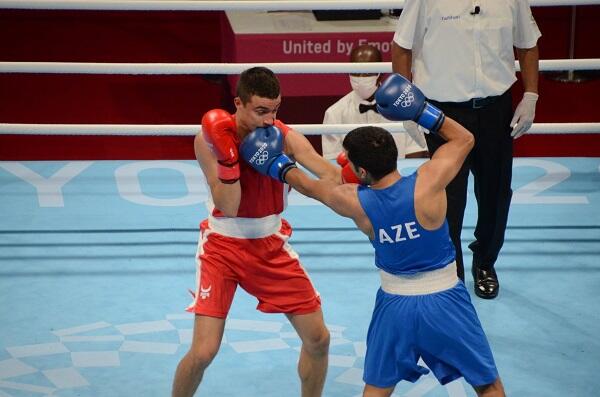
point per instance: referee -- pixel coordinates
(461, 54)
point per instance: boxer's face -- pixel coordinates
(258, 112)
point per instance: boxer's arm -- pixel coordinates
(444, 166)
(219, 132)
(434, 175)
(343, 199)
(226, 196)
(300, 148)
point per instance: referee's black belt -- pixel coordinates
(475, 103)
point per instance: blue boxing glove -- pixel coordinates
(399, 100)
(263, 150)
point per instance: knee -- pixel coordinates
(495, 389)
(202, 355)
(318, 342)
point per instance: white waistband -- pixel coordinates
(245, 227)
(420, 283)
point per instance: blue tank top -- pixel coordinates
(402, 245)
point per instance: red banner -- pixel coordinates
(305, 47)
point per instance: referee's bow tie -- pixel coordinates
(363, 108)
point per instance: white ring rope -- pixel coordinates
(192, 129)
(221, 68)
(546, 65)
(211, 5)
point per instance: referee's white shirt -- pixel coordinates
(345, 111)
(457, 55)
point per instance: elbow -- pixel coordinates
(226, 198)
(228, 209)
(229, 213)
(469, 141)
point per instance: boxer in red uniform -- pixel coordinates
(244, 240)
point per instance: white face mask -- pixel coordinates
(364, 86)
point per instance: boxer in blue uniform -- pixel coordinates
(422, 309)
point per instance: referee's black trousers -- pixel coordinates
(490, 161)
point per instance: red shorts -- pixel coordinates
(266, 267)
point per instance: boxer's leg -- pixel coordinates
(312, 366)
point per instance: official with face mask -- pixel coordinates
(364, 85)
(358, 107)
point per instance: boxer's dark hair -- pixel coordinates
(258, 81)
(372, 148)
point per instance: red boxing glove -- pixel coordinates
(219, 132)
(348, 175)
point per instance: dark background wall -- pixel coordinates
(110, 36)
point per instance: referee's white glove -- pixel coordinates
(524, 115)
(415, 131)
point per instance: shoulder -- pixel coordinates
(337, 113)
(342, 102)
(411, 9)
(345, 200)
(520, 3)
(506, 9)
(521, 9)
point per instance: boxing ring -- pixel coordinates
(96, 258)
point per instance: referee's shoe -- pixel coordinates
(486, 282)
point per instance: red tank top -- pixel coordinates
(261, 195)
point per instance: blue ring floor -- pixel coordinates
(96, 258)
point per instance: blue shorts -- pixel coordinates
(442, 328)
